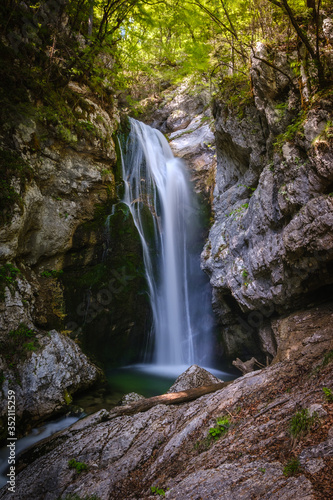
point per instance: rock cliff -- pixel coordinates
(53, 243)
(270, 248)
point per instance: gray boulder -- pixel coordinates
(193, 377)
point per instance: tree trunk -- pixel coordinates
(165, 399)
(91, 17)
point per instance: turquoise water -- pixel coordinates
(147, 380)
(151, 380)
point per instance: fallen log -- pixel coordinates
(165, 399)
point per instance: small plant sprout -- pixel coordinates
(292, 467)
(302, 423)
(158, 491)
(78, 466)
(328, 394)
(221, 427)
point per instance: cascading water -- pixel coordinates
(158, 196)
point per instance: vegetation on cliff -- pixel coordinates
(134, 48)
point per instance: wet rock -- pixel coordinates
(194, 376)
(130, 397)
(270, 248)
(45, 381)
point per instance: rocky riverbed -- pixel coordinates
(171, 448)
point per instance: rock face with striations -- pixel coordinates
(184, 114)
(270, 249)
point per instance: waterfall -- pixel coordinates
(159, 198)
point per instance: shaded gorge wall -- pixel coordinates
(105, 291)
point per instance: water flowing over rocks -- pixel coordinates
(168, 446)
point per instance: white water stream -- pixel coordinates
(158, 195)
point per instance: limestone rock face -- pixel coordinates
(69, 184)
(270, 248)
(328, 29)
(169, 446)
(179, 108)
(195, 145)
(17, 306)
(45, 380)
(184, 114)
(193, 377)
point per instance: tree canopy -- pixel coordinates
(138, 47)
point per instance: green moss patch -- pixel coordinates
(8, 275)
(13, 170)
(17, 345)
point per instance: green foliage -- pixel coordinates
(158, 491)
(261, 469)
(282, 106)
(245, 274)
(239, 210)
(292, 467)
(292, 130)
(78, 466)
(302, 423)
(328, 394)
(136, 48)
(8, 275)
(221, 427)
(53, 273)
